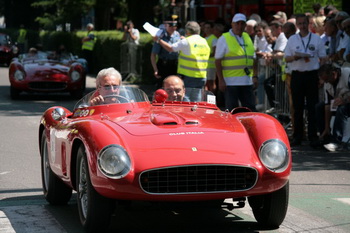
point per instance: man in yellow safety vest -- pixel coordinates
(235, 65)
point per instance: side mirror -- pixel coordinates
(58, 114)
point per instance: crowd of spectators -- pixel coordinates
(234, 63)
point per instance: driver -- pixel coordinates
(174, 87)
(108, 82)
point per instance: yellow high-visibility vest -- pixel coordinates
(194, 65)
(22, 36)
(89, 45)
(237, 59)
(211, 62)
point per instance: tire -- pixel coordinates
(270, 209)
(14, 93)
(94, 210)
(55, 191)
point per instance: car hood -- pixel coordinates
(186, 137)
(177, 121)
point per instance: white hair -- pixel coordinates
(251, 22)
(108, 72)
(90, 25)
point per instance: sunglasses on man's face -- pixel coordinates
(110, 87)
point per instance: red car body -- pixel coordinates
(178, 151)
(7, 49)
(44, 73)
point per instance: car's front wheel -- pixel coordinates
(94, 210)
(270, 209)
(55, 191)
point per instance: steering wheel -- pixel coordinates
(119, 98)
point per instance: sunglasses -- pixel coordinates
(110, 87)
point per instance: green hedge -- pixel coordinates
(106, 52)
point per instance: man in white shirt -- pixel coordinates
(342, 39)
(281, 42)
(304, 53)
(131, 34)
(337, 99)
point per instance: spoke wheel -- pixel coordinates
(94, 210)
(55, 191)
(270, 209)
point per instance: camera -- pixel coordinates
(247, 71)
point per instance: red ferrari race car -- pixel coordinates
(7, 49)
(174, 151)
(47, 72)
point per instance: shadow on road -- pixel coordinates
(134, 218)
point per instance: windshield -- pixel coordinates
(49, 55)
(184, 95)
(124, 94)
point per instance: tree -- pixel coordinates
(60, 12)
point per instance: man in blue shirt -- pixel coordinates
(167, 61)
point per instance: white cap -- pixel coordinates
(239, 17)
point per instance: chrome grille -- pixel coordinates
(198, 179)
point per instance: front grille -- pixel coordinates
(198, 179)
(47, 86)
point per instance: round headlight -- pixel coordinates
(274, 155)
(19, 76)
(114, 162)
(14, 49)
(75, 75)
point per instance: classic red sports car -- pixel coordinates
(173, 151)
(7, 49)
(46, 72)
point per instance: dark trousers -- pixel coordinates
(87, 54)
(304, 86)
(165, 68)
(244, 94)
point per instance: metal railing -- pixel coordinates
(276, 100)
(130, 60)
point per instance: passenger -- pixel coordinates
(174, 87)
(108, 82)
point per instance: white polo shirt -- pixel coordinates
(182, 46)
(343, 41)
(281, 43)
(342, 88)
(310, 44)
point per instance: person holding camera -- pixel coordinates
(235, 65)
(131, 34)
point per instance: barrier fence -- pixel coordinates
(274, 89)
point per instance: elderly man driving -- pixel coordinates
(108, 82)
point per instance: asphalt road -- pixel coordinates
(319, 186)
